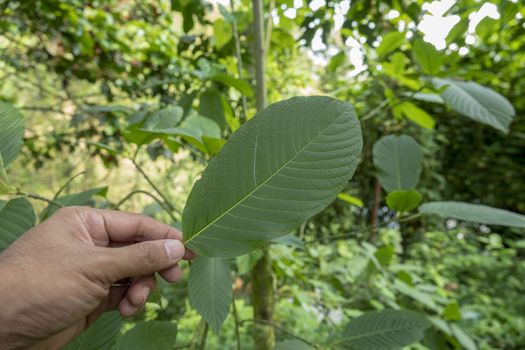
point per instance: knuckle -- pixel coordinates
(149, 255)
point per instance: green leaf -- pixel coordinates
(291, 240)
(402, 201)
(463, 338)
(451, 312)
(383, 330)
(82, 198)
(16, 217)
(5, 187)
(427, 57)
(222, 31)
(350, 199)
(99, 336)
(458, 31)
(336, 61)
(292, 344)
(241, 85)
(417, 295)
(148, 335)
(415, 114)
(246, 262)
(398, 162)
(165, 119)
(281, 167)
(210, 289)
(396, 67)
(11, 132)
(390, 42)
(210, 105)
(477, 102)
(384, 255)
(474, 213)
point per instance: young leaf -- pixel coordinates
(350, 199)
(16, 217)
(474, 213)
(210, 289)
(452, 312)
(402, 201)
(390, 42)
(427, 57)
(415, 114)
(149, 335)
(398, 162)
(292, 344)
(383, 330)
(11, 132)
(99, 336)
(477, 102)
(281, 167)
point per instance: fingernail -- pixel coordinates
(127, 308)
(174, 249)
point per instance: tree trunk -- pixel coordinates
(262, 275)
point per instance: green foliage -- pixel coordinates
(390, 42)
(474, 213)
(100, 335)
(293, 344)
(428, 58)
(210, 289)
(290, 160)
(16, 217)
(148, 335)
(11, 133)
(398, 162)
(403, 201)
(477, 102)
(383, 330)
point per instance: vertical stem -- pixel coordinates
(202, 344)
(263, 301)
(262, 275)
(375, 211)
(236, 319)
(269, 25)
(238, 57)
(259, 53)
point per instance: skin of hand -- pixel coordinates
(57, 278)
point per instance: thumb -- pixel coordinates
(144, 258)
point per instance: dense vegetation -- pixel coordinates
(123, 104)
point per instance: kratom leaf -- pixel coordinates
(398, 162)
(281, 167)
(210, 289)
(292, 344)
(390, 42)
(149, 335)
(82, 198)
(384, 330)
(427, 57)
(403, 201)
(11, 132)
(210, 106)
(164, 120)
(474, 213)
(477, 102)
(16, 217)
(99, 336)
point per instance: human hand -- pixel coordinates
(57, 278)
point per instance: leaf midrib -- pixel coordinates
(198, 233)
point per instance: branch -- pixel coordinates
(159, 192)
(38, 197)
(68, 182)
(238, 57)
(282, 329)
(151, 195)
